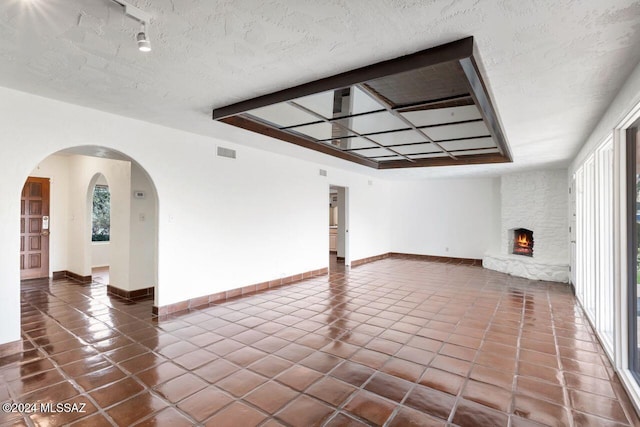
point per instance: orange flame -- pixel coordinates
(522, 240)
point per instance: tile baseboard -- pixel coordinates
(66, 274)
(233, 293)
(443, 259)
(433, 258)
(57, 275)
(361, 261)
(10, 348)
(131, 295)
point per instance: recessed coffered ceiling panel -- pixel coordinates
(351, 143)
(400, 110)
(382, 121)
(399, 137)
(467, 144)
(422, 85)
(436, 116)
(375, 152)
(457, 131)
(282, 115)
(321, 131)
(414, 149)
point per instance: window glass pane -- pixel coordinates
(101, 217)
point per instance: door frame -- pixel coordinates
(343, 243)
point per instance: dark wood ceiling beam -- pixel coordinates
(473, 159)
(453, 51)
(483, 102)
(419, 105)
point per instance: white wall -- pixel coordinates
(368, 213)
(445, 217)
(100, 254)
(144, 230)
(222, 223)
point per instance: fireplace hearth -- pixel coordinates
(522, 242)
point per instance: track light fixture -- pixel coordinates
(144, 45)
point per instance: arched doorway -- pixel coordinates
(133, 235)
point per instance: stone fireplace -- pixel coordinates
(533, 201)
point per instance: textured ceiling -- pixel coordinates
(553, 66)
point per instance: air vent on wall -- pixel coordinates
(226, 152)
(323, 172)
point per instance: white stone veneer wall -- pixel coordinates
(537, 201)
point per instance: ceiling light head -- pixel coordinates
(143, 18)
(143, 43)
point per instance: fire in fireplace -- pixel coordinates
(523, 242)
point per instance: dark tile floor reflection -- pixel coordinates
(397, 342)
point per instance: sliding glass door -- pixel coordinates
(633, 228)
(592, 240)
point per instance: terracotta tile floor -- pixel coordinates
(100, 275)
(397, 342)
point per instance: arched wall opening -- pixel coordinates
(133, 242)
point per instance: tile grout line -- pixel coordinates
(565, 390)
(514, 383)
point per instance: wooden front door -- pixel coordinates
(34, 229)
